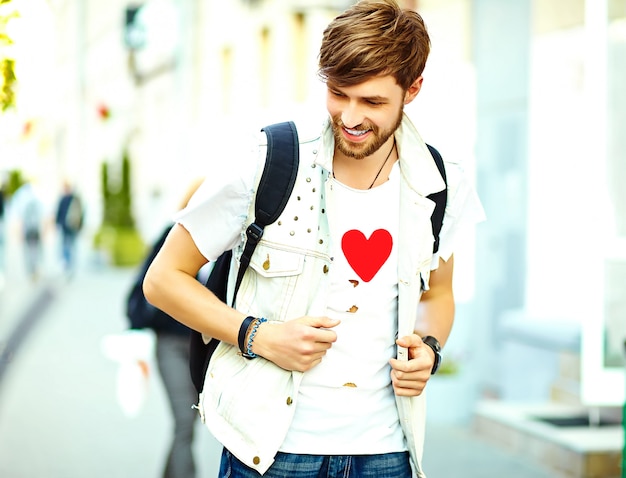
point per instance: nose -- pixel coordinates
(352, 115)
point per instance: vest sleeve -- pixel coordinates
(463, 211)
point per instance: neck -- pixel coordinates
(366, 172)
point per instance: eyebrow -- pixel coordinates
(376, 98)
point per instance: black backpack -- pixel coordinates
(140, 313)
(276, 184)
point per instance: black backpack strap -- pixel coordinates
(440, 198)
(275, 186)
(277, 181)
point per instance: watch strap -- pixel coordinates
(434, 344)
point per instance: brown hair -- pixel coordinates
(371, 38)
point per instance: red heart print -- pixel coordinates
(366, 256)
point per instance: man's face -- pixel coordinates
(364, 116)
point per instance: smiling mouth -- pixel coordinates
(356, 132)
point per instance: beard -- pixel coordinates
(358, 150)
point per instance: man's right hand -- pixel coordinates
(298, 344)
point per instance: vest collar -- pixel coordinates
(416, 165)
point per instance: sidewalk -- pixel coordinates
(20, 297)
(59, 417)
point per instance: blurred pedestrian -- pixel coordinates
(2, 233)
(28, 208)
(69, 220)
(172, 356)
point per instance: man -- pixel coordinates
(330, 307)
(2, 208)
(69, 219)
(29, 208)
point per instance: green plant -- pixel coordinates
(448, 367)
(116, 193)
(14, 182)
(118, 234)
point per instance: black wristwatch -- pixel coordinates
(433, 343)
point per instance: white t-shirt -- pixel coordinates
(346, 404)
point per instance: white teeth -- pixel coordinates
(356, 132)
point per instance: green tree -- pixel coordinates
(7, 64)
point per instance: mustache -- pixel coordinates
(366, 126)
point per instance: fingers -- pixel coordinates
(409, 377)
(298, 344)
(407, 387)
(320, 322)
(319, 331)
(409, 341)
(315, 341)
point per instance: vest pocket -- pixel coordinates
(271, 262)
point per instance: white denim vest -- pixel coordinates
(248, 405)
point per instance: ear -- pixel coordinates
(413, 90)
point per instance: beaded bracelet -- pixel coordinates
(249, 354)
(243, 330)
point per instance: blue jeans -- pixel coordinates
(68, 249)
(287, 465)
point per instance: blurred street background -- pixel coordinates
(132, 101)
